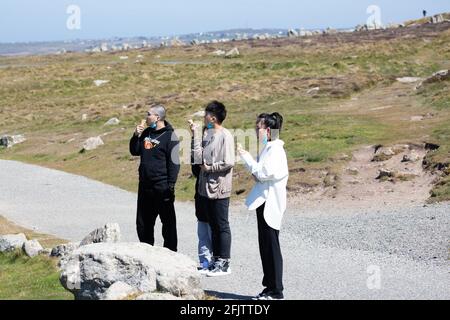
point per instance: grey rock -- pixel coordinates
(413, 157)
(32, 248)
(119, 291)
(408, 79)
(10, 242)
(92, 269)
(313, 90)
(112, 122)
(63, 250)
(9, 141)
(292, 33)
(108, 233)
(436, 77)
(233, 53)
(385, 173)
(99, 83)
(439, 18)
(92, 143)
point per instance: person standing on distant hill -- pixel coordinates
(158, 147)
(214, 151)
(268, 197)
(424, 13)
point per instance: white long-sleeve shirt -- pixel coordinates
(272, 174)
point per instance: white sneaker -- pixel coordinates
(203, 271)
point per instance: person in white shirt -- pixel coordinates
(268, 197)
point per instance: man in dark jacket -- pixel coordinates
(158, 147)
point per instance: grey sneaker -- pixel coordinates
(221, 268)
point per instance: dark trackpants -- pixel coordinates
(154, 201)
(220, 228)
(270, 251)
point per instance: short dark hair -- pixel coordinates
(218, 110)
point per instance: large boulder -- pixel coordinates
(92, 269)
(120, 291)
(157, 296)
(32, 248)
(11, 242)
(108, 233)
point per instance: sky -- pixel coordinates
(48, 20)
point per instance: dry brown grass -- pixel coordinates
(47, 241)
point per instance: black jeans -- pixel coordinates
(153, 201)
(220, 228)
(270, 251)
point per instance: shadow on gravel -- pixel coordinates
(227, 296)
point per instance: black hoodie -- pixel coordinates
(160, 163)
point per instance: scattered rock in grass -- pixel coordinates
(92, 143)
(32, 248)
(11, 242)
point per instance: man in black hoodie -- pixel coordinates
(158, 147)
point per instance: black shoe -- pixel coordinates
(263, 293)
(271, 295)
(221, 268)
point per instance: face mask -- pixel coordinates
(265, 140)
(210, 125)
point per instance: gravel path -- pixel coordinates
(328, 254)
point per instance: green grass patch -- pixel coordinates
(316, 138)
(24, 278)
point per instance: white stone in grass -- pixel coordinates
(99, 83)
(11, 242)
(32, 248)
(92, 143)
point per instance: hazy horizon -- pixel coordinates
(45, 21)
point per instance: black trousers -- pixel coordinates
(154, 201)
(270, 251)
(217, 210)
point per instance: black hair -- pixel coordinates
(218, 110)
(274, 121)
